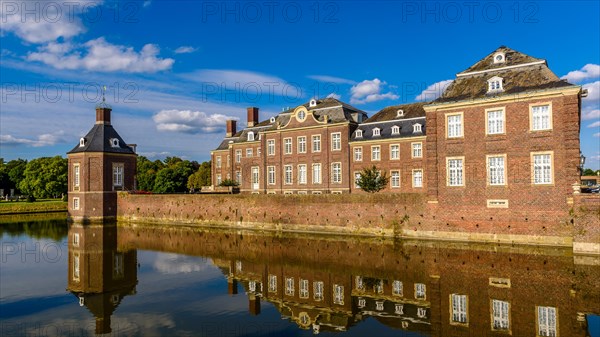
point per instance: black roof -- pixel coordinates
(98, 140)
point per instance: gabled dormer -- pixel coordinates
(495, 84)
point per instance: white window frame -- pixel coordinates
(317, 173)
(356, 178)
(375, 155)
(289, 286)
(417, 178)
(417, 128)
(336, 141)
(336, 173)
(250, 136)
(302, 174)
(459, 309)
(272, 288)
(238, 176)
(376, 132)
(318, 290)
(287, 146)
(395, 130)
(395, 179)
(495, 124)
(397, 288)
(546, 170)
(536, 123)
(455, 173)
(118, 174)
(338, 294)
(76, 203)
(219, 179)
(316, 143)
(496, 173)
(394, 151)
(358, 134)
(271, 172)
(455, 129)
(76, 176)
(270, 147)
(416, 150)
(76, 266)
(301, 144)
(358, 153)
(218, 161)
(547, 321)
(495, 84)
(500, 312)
(303, 289)
(288, 174)
(238, 156)
(420, 291)
(75, 239)
(249, 153)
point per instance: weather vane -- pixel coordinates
(103, 104)
(103, 94)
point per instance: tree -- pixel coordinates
(173, 178)
(45, 177)
(229, 182)
(372, 180)
(589, 172)
(11, 174)
(202, 177)
(146, 173)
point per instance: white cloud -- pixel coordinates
(334, 95)
(370, 91)
(590, 105)
(100, 55)
(589, 71)
(597, 134)
(331, 79)
(187, 121)
(433, 91)
(252, 84)
(44, 21)
(185, 50)
(47, 139)
(594, 125)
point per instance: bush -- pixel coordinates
(229, 182)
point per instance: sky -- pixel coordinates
(174, 71)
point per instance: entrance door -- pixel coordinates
(255, 178)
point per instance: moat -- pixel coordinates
(165, 280)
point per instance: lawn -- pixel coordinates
(41, 205)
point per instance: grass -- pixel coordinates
(41, 205)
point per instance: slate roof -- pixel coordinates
(98, 140)
(387, 118)
(523, 77)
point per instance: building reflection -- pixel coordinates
(437, 289)
(99, 274)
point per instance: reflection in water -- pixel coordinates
(99, 274)
(438, 289)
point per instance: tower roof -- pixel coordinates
(101, 139)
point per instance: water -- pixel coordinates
(136, 280)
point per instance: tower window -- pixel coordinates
(114, 142)
(81, 142)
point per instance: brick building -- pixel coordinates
(505, 133)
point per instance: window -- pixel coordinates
(546, 321)
(271, 147)
(499, 58)
(336, 173)
(376, 132)
(399, 309)
(75, 239)
(359, 134)
(397, 289)
(356, 179)
(417, 178)
(395, 130)
(362, 302)
(417, 150)
(454, 125)
(316, 173)
(218, 161)
(272, 283)
(316, 143)
(303, 288)
(495, 84)
(238, 177)
(287, 146)
(271, 175)
(336, 141)
(289, 286)
(541, 117)
(318, 288)
(258, 151)
(118, 175)
(454, 171)
(114, 142)
(250, 136)
(76, 266)
(420, 291)
(219, 180)
(496, 169)
(359, 284)
(118, 267)
(81, 142)
(288, 174)
(459, 308)
(417, 128)
(301, 115)
(338, 294)
(76, 176)
(358, 153)
(542, 168)
(238, 156)
(395, 152)
(248, 153)
(494, 122)
(376, 153)
(395, 179)
(500, 315)
(302, 174)
(75, 203)
(379, 305)
(302, 144)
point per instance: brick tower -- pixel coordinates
(99, 166)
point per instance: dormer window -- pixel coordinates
(359, 134)
(417, 128)
(114, 142)
(376, 132)
(499, 58)
(312, 103)
(272, 120)
(400, 113)
(250, 136)
(495, 84)
(395, 130)
(81, 142)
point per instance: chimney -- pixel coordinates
(252, 116)
(103, 115)
(231, 128)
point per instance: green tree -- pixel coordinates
(202, 177)
(229, 182)
(146, 173)
(45, 177)
(11, 174)
(174, 177)
(589, 172)
(372, 180)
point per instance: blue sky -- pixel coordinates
(176, 70)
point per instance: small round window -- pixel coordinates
(301, 115)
